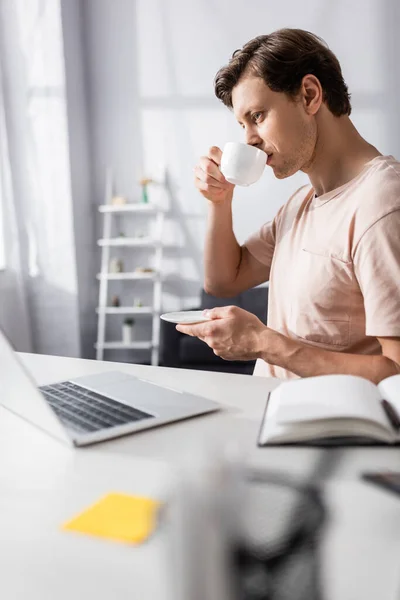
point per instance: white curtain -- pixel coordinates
(14, 318)
(40, 275)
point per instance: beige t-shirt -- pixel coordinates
(335, 264)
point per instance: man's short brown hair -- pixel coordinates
(282, 59)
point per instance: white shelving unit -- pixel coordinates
(129, 210)
(125, 241)
(133, 276)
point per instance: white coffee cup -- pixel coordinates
(242, 164)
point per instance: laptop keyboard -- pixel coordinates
(85, 411)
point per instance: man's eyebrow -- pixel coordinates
(245, 116)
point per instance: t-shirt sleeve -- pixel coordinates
(377, 268)
(262, 243)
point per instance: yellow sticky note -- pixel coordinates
(119, 517)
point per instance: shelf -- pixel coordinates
(129, 275)
(121, 238)
(126, 241)
(122, 346)
(127, 310)
(130, 207)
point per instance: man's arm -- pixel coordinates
(235, 334)
(308, 361)
(229, 268)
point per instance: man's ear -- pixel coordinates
(311, 94)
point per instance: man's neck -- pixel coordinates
(340, 154)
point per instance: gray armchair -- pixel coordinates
(179, 350)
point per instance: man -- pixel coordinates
(332, 253)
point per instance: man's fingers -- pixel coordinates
(221, 312)
(215, 154)
(194, 330)
(185, 329)
(211, 169)
(205, 178)
(206, 187)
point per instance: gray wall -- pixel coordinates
(100, 58)
(81, 165)
(110, 58)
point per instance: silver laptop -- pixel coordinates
(90, 409)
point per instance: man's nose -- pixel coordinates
(252, 138)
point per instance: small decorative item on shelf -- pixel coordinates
(121, 234)
(116, 265)
(137, 302)
(144, 182)
(115, 301)
(127, 330)
(144, 270)
(118, 200)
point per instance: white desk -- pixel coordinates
(44, 483)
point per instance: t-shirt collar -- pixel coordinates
(324, 198)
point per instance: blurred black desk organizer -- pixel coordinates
(182, 351)
(278, 557)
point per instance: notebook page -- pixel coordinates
(329, 397)
(390, 389)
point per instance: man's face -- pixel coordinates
(275, 123)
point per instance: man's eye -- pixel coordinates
(257, 116)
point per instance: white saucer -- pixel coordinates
(185, 316)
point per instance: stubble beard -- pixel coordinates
(302, 158)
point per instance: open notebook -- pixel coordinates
(333, 409)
